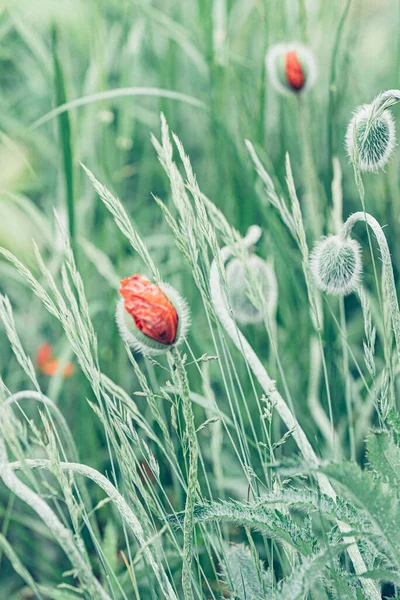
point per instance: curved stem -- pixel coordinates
(268, 385)
(63, 535)
(121, 505)
(387, 268)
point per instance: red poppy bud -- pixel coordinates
(293, 70)
(152, 319)
(150, 309)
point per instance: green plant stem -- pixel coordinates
(65, 139)
(313, 192)
(316, 410)
(346, 371)
(333, 90)
(181, 381)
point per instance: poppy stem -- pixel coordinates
(180, 379)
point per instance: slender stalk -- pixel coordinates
(268, 386)
(313, 193)
(181, 381)
(65, 139)
(314, 405)
(390, 286)
(333, 90)
(346, 371)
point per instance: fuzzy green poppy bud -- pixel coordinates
(151, 319)
(291, 68)
(373, 135)
(243, 309)
(336, 265)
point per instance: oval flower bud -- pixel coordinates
(336, 265)
(243, 309)
(152, 319)
(291, 68)
(375, 137)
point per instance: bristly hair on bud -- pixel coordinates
(244, 310)
(370, 137)
(291, 67)
(151, 319)
(336, 265)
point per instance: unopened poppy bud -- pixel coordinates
(336, 265)
(243, 309)
(291, 67)
(374, 136)
(151, 319)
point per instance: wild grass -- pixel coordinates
(255, 458)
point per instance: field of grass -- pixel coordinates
(245, 444)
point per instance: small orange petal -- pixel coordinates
(49, 367)
(68, 370)
(43, 353)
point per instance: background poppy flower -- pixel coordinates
(49, 365)
(294, 71)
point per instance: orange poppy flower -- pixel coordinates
(152, 312)
(294, 71)
(49, 365)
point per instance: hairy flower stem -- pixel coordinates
(182, 384)
(121, 505)
(347, 380)
(390, 286)
(268, 385)
(63, 536)
(313, 190)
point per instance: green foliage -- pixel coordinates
(242, 577)
(303, 577)
(272, 523)
(379, 504)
